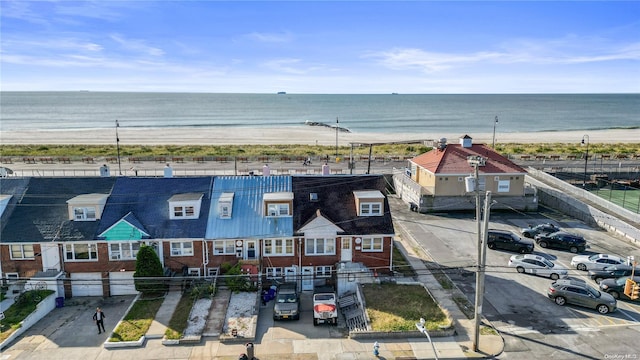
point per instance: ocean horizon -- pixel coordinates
(372, 113)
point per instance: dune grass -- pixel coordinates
(300, 150)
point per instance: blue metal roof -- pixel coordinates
(247, 218)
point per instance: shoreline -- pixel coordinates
(292, 136)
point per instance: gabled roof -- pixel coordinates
(336, 202)
(248, 218)
(453, 160)
(41, 215)
(148, 199)
(130, 219)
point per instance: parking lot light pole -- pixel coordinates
(586, 160)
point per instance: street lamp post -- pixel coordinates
(493, 143)
(586, 160)
(118, 147)
(337, 128)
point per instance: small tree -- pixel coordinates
(148, 267)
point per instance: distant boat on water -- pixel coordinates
(282, 93)
(318, 123)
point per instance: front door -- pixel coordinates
(157, 247)
(251, 250)
(345, 250)
(50, 257)
(307, 278)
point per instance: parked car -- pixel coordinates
(565, 291)
(562, 240)
(615, 287)
(532, 231)
(287, 304)
(596, 262)
(538, 265)
(506, 240)
(612, 272)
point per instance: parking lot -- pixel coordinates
(516, 304)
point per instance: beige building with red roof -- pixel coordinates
(435, 180)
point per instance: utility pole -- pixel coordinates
(476, 162)
(118, 148)
(483, 269)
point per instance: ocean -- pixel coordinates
(392, 113)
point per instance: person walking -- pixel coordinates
(98, 318)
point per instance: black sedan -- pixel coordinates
(615, 287)
(562, 240)
(611, 272)
(532, 231)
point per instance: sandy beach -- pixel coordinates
(304, 135)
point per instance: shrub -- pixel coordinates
(149, 273)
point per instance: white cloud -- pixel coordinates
(137, 45)
(270, 37)
(290, 66)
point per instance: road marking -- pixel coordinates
(628, 315)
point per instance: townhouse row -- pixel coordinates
(84, 232)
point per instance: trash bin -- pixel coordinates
(250, 351)
(59, 302)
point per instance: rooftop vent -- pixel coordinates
(313, 196)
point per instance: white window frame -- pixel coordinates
(181, 249)
(24, 252)
(70, 249)
(278, 247)
(323, 271)
(277, 209)
(371, 208)
(373, 244)
(84, 213)
(316, 242)
(225, 211)
(228, 247)
(184, 211)
(123, 248)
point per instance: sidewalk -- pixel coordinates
(489, 345)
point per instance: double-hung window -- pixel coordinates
(81, 252)
(84, 213)
(22, 252)
(320, 246)
(278, 209)
(181, 248)
(370, 209)
(224, 247)
(372, 244)
(124, 250)
(278, 247)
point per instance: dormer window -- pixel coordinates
(87, 207)
(369, 202)
(185, 206)
(278, 204)
(225, 205)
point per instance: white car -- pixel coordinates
(596, 262)
(538, 265)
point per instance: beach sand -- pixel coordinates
(303, 135)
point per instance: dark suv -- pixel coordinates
(612, 272)
(502, 239)
(562, 240)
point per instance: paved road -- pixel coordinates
(516, 304)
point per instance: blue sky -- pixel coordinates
(422, 47)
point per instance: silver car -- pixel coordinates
(538, 265)
(567, 291)
(596, 262)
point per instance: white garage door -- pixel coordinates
(121, 283)
(86, 284)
